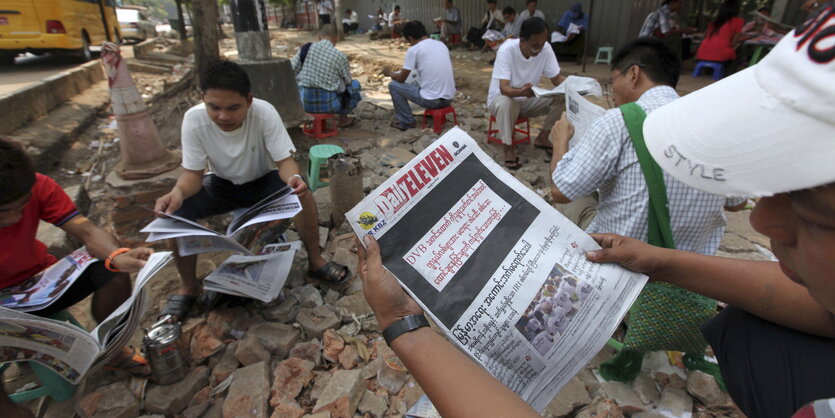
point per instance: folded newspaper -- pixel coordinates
(580, 112)
(260, 277)
(68, 350)
(496, 267)
(583, 85)
(40, 290)
(248, 233)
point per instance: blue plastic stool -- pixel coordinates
(718, 69)
(319, 155)
(52, 384)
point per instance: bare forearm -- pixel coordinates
(759, 287)
(457, 386)
(99, 243)
(189, 183)
(287, 168)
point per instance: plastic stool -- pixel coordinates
(525, 134)
(760, 52)
(319, 155)
(455, 39)
(318, 127)
(718, 69)
(52, 384)
(439, 117)
(604, 49)
(435, 36)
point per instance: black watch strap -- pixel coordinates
(408, 323)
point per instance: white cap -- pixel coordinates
(765, 130)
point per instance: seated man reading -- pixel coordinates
(243, 141)
(430, 60)
(325, 83)
(26, 198)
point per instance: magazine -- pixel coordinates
(68, 350)
(583, 85)
(248, 232)
(580, 112)
(260, 277)
(498, 269)
(40, 290)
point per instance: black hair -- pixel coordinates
(508, 11)
(491, 1)
(347, 10)
(17, 173)
(533, 26)
(529, 2)
(226, 75)
(656, 59)
(414, 29)
(728, 10)
(396, 7)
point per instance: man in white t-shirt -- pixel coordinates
(430, 60)
(531, 11)
(520, 63)
(325, 12)
(242, 141)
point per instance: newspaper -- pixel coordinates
(248, 232)
(260, 277)
(500, 271)
(573, 28)
(68, 350)
(492, 35)
(583, 85)
(580, 112)
(40, 290)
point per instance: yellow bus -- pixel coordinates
(56, 26)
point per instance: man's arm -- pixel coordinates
(189, 183)
(758, 287)
(101, 244)
(289, 173)
(558, 79)
(560, 134)
(524, 91)
(455, 384)
(399, 76)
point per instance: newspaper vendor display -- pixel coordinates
(495, 266)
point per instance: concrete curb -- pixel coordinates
(25, 105)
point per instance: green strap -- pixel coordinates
(659, 234)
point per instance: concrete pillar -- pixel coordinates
(252, 34)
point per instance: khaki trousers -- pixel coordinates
(507, 109)
(581, 211)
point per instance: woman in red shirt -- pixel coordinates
(722, 36)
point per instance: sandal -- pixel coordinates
(512, 164)
(353, 122)
(131, 365)
(332, 274)
(397, 125)
(178, 306)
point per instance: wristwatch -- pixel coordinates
(404, 325)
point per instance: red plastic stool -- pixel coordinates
(318, 127)
(524, 137)
(439, 117)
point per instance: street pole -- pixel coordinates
(337, 19)
(588, 35)
(181, 23)
(252, 34)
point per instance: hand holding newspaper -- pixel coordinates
(501, 272)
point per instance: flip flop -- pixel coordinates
(512, 164)
(128, 365)
(398, 125)
(353, 122)
(178, 306)
(329, 274)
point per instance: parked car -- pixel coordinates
(55, 26)
(134, 24)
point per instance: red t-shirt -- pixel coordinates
(719, 46)
(21, 254)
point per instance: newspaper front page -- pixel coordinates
(261, 276)
(40, 290)
(496, 267)
(580, 112)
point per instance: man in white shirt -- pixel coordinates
(325, 11)
(531, 11)
(520, 63)
(430, 60)
(450, 23)
(350, 22)
(242, 140)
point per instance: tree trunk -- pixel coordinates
(181, 23)
(204, 24)
(337, 19)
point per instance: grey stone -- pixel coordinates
(323, 236)
(369, 160)
(370, 324)
(249, 392)
(308, 296)
(646, 389)
(55, 239)
(675, 402)
(308, 350)
(114, 400)
(276, 337)
(395, 157)
(600, 408)
(251, 351)
(315, 321)
(590, 381)
(285, 311)
(704, 388)
(226, 366)
(331, 297)
(347, 258)
(353, 305)
(323, 205)
(372, 368)
(625, 397)
(196, 411)
(373, 404)
(320, 382)
(572, 396)
(171, 399)
(323, 414)
(342, 394)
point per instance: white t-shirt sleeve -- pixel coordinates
(502, 68)
(276, 138)
(552, 67)
(410, 62)
(194, 153)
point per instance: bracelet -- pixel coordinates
(404, 325)
(299, 176)
(113, 255)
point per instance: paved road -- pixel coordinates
(29, 69)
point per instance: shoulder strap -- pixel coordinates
(303, 52)
(660, 233)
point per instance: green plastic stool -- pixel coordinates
(608, 51)
(52, 384)
(319, 155)
(435, 36)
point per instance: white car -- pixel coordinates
(135, 25)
